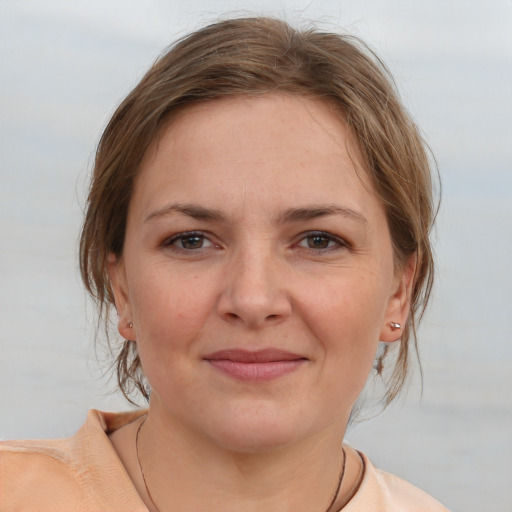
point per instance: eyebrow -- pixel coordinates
(288, 216)
(316, 211)
(190, 210)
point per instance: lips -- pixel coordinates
(260, 365)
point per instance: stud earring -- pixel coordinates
(394, 326)
(130, 325)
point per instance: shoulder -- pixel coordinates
(385, 492)
(75, 473)
(32, 472)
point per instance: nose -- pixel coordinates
(254, 291)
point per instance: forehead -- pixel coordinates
(296, 144)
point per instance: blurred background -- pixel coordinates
(64, 67)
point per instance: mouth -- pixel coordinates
(260, 365)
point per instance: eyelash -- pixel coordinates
(340, 243)
(172, 242)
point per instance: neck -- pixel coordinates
(184, 471)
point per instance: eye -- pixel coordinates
(320, 241)
(189, 241)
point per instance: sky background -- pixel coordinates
(64, 67)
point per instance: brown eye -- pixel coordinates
(321, 241)
(191, 242)
(318, 242)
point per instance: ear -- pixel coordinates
(399, 304)
(119, 284)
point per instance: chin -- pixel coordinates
(260, 429)
(256, 438)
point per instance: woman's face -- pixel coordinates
(257, 271)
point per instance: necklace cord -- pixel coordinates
(333, 500)
(140, 465)
(340, 480)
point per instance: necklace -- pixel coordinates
(333, 499)
(140, 465)
(340, 480)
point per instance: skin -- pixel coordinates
(252, 226)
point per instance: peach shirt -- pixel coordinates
(83, 473)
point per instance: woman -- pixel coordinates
(259, 216)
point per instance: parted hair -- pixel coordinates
(255, 56)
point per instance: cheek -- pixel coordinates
(169, 316)
(346, 319)
(168, 308)
(351, 305)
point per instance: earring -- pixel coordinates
(130, 325)
(394, 326)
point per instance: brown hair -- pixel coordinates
(254, 56)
